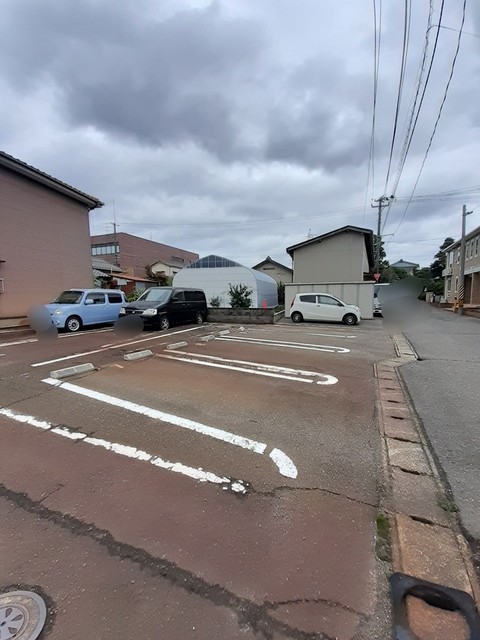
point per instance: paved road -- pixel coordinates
(444, 387)
(232, 482)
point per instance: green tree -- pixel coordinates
(438, 265)
(384, 263)
(391, 274)
(240, 296)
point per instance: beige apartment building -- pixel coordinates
(44, 238)
(451, 273)
(342, 255)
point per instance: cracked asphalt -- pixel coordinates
(122, 547)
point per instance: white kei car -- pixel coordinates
(323, 307)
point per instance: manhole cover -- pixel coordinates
(22, 615)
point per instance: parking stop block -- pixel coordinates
(59, 374)
(138, 355)
(176, 345)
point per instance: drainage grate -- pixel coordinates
(436, 595)
(22, 615)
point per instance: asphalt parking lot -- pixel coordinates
(247, 463)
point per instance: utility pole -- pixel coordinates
(461, 279)
(115, 233)
(382, 202)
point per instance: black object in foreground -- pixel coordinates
(435, 595)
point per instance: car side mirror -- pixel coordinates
(340, 304)
(175, 299)
(89, 301)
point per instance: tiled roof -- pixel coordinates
(14, 164)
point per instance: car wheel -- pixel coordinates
(349, 319)
(73, 324)
(199, 317)
(164, 323)
(296, 316)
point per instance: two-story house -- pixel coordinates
(451, 273)
(341, 255)
(279, 272)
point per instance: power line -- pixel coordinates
(409, 128)
(439, 112)
(403, 65)
(376, 62)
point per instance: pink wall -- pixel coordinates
(45, 242)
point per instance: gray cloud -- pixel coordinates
(158, 81)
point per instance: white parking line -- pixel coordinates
(285, 466)
(113, 346)
(307, 333)
(238, 486)
(67, 335)
(286, 344)
(252, 367)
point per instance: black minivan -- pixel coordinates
(161, 307)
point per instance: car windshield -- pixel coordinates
(69, 297)
(155, 295)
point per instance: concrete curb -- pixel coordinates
(426, 539)
(59, 374)
(138, 355)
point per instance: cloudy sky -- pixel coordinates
(239, 127)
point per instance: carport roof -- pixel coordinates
(367, 233)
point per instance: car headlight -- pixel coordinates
(149, 312)
(58, 312)
(122, 311)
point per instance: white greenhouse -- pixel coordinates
(214, 274)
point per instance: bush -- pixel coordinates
(215, 302)
(240, 296)
(134, 295)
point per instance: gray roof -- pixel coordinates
(402, 264)
(103, 265)
(278, 264)
(9, 162)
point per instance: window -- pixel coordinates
(69, 297)
(115, 298)
(179, 296)
(178, 259)
(105, 249)
(98, 298)
(328, 300)
(312, 299)
(476, 245)
(458, 256)
(190, 296)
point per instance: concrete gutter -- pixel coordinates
(425, 535)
